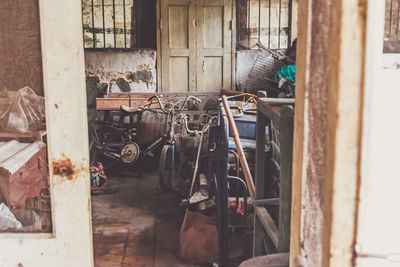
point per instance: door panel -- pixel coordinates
(196, 45)
(213, 70)
(213, 27)
(178, 45)
(214, 45)
(179, 74)
(178, 18)
(70, 244)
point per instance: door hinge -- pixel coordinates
(230, 25)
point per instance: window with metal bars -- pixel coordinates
(265, 21)
(392, 27)
(108, 23)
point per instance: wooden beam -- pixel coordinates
(300, 142)
(345, 102)
(285, 184)
(268, 224)
(260, 177)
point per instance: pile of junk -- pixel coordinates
(24, 177)
(205, 148)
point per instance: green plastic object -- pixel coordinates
(288, 72)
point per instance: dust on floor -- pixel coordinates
(136, 225)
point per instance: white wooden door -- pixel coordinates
(178, 35)
(70, 243)
(196, 45)
(214, 45)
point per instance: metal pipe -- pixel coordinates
(239, 148)
(278, 101)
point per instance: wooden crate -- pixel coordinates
(115, 101)
(23, 171)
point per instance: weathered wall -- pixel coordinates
(245, 60)
(136, 67)
(20, 48)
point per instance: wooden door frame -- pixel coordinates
(159, 46)
(70, 244)
(343, 132)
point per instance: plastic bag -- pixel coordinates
(5, 107)
(7, 219)
(26, 113)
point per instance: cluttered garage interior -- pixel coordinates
(199, 133)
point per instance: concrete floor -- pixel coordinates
(136, 225)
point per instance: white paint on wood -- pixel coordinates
(179, 67)
(378, 228)
(199, 31)
(64, 83)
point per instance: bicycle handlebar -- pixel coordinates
(175, 108)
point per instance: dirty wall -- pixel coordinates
(122, 71)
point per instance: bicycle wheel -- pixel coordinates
(99, 137)
(166, 168)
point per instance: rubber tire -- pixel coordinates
(104, 133)
(166, 169)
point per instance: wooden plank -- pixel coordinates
(70, 243)
(115, 101)
(271, 112)
(259, 179)
(165, 94)
(278, 101)
(268, 224)
(34, 136)
(302, 81)
(285, 185)
(344, 133)
(265, 202)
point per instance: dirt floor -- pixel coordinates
(136, 225)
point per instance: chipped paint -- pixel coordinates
(136, 68)
(65, 169)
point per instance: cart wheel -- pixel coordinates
(166, 168)
(99, 137)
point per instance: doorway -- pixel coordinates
(196, 45)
